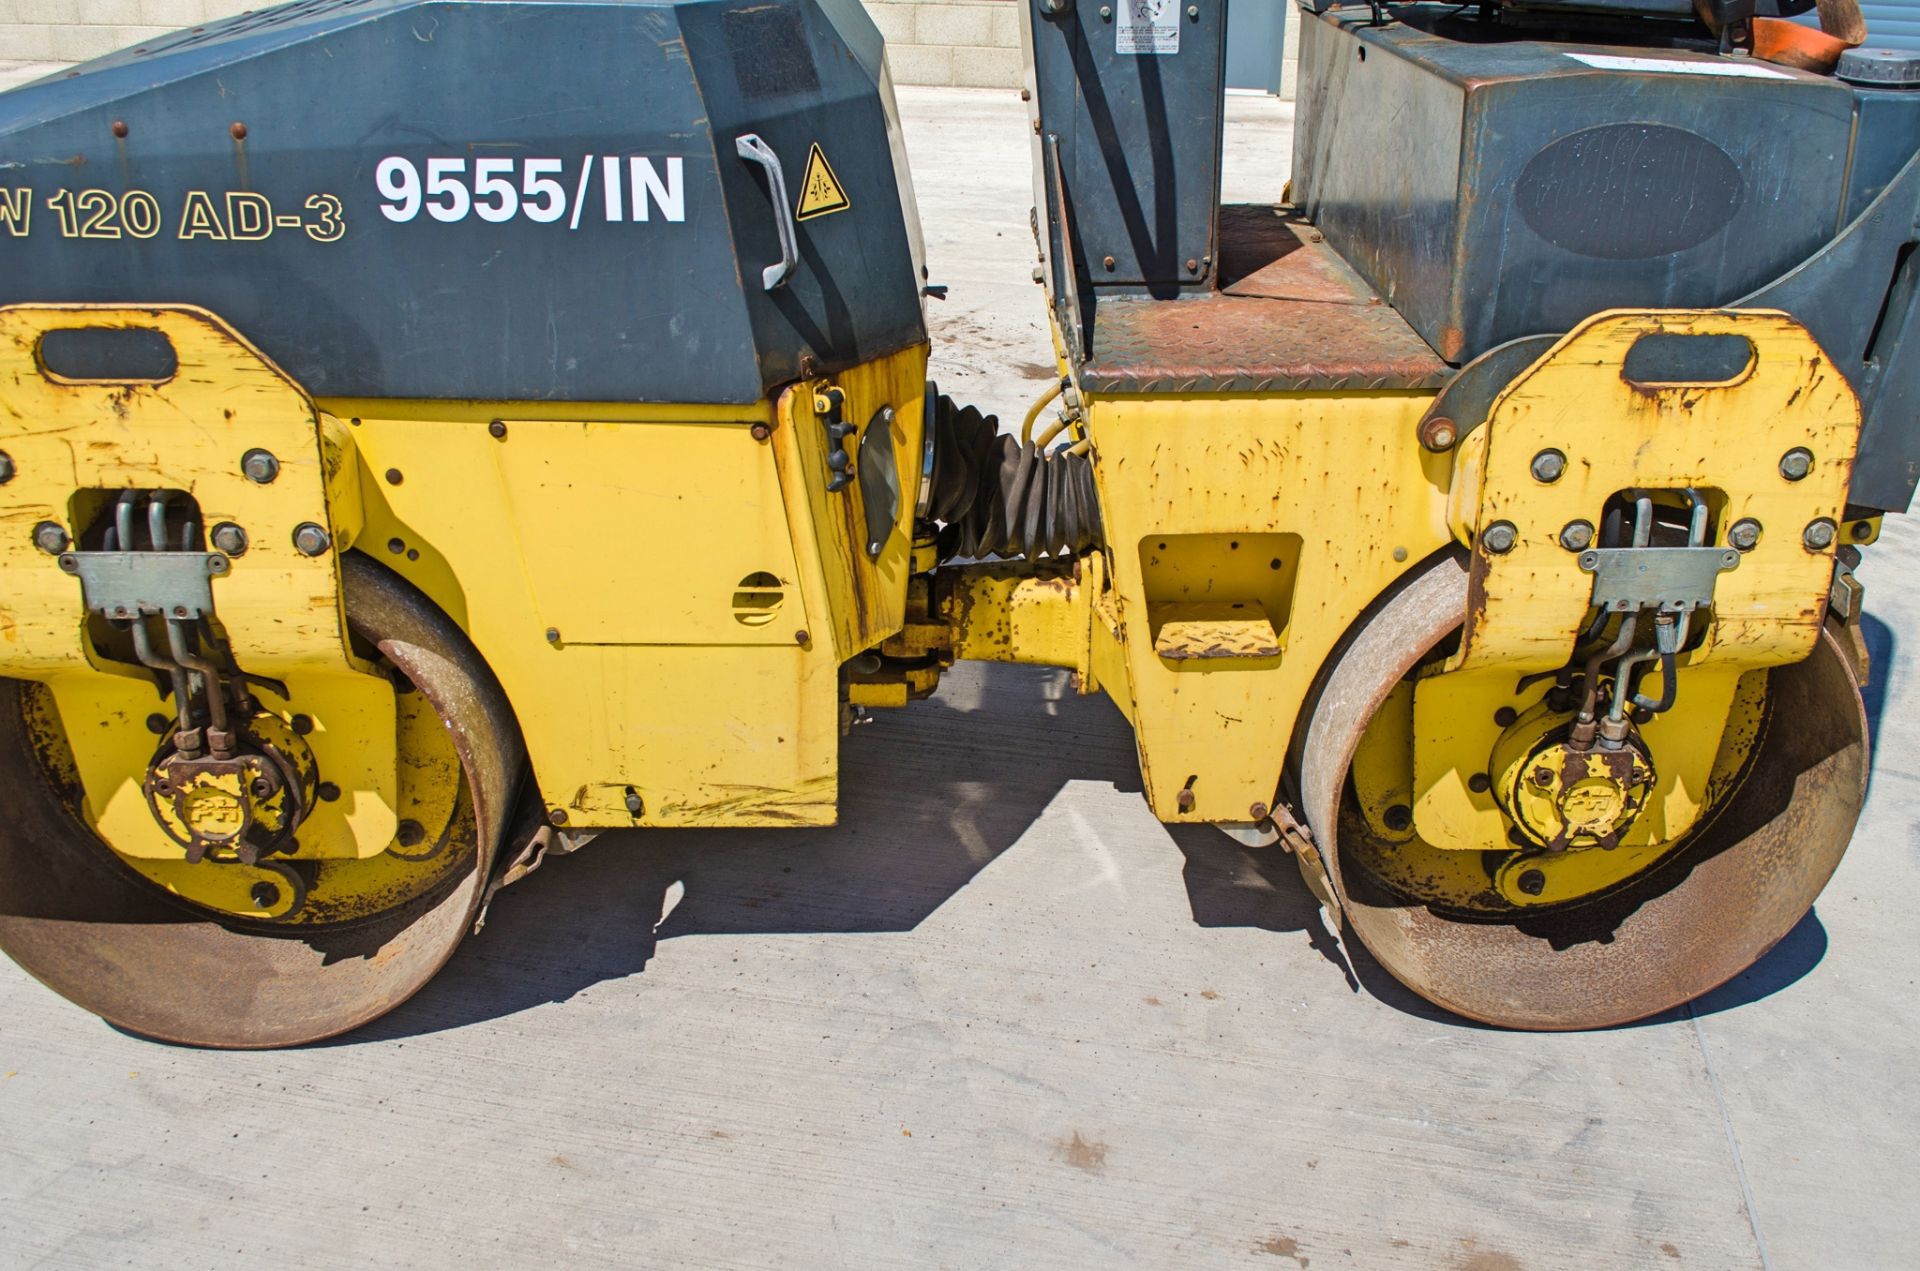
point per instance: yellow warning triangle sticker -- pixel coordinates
(820, 190)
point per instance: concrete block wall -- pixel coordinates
(1290, 53)
(965, 43)
(75, 30)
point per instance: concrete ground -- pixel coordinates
(1002, 1017)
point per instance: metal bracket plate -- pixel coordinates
(1669, 579)
(879, 480)
(127, 584)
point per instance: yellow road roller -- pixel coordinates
(418, 455)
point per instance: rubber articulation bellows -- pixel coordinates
(995, 495)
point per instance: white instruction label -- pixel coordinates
(1148, 26)
(1677, 66)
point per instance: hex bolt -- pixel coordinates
(260, 466)
(1532, 882)
(1819, 535)
(410, 833)
(265, 895)
(1499, 537)
(1796, 463)
(1258, 811)
(1184, 800)
(158, 724)
(50, 538)
(761, 432)
(1745, 535)
(1108, 262)
(1861, 531)
(497, 429)
(553, 636)
(634, 806)
(1193, 266)
(1577, 536)
(1398, 818)
(310, 540)
(1438, 433)
(558, 816)
(1106, 12)
(801, 637)
(230, 538)
(1548, 466)
(6, 467)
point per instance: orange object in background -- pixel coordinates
(1787, 43)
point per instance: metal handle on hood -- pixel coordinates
(754, 150)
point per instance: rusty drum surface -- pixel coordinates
(1697, 919)
(96, 933)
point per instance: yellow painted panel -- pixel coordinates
(76, 444)
(280, 610)
(1618, 435)
(1010, 613)
(1340, 476)
(353, 742)
(660, 527)
(1109, 672)
(1207, 631)
(704, 735)
(1453, 722)
(865, 595)
(715, 722)
(744, 733)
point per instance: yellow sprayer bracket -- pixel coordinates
(190, 431)
(1727, 437)
(74, 444)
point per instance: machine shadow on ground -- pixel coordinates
(930, 796)
(1880, 650)
(1233, 886)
